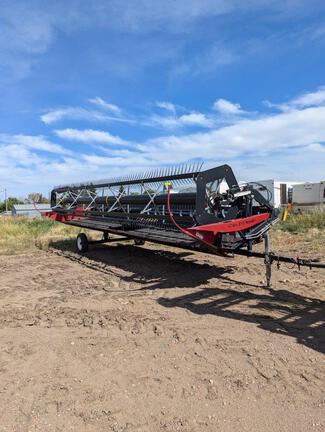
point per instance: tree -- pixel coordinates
(37, 198)
(11, 201)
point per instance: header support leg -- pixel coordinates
(268, 260)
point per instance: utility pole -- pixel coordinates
(6, 200)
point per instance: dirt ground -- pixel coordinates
(157, 339)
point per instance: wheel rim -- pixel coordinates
(79, 243)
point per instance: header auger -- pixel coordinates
(184, 206)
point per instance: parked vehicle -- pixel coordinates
(309, 196)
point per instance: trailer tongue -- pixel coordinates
(183, 206)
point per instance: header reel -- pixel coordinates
(173, 205)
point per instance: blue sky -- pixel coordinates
(97, 89)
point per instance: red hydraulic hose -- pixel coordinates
(184, 230)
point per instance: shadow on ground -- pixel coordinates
(278, 311)
(154, 269)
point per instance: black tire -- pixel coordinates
(82, 243)
(105, 235)
(139, 242)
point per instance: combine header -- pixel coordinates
(183, 206)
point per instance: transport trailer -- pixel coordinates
(183, 206)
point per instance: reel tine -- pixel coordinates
(181, 168)
(168, 172)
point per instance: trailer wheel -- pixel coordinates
(105, 235)
(82, 243)
(139, 242)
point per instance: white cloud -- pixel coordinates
(195, 119)
(89, 136)
(284, 145)
(116, 161)
(108, 106)
(77, 113)
(34, 142)
(316, 98)
(312, 99)
(26, 34)
(206, 62)
(28, 29)
(224, 106)
(186, 120)
(20, 155)
(245, 137)
(56, 115)
(168, 106)
(174, 121)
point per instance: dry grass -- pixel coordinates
(20, 234)
(304, 222)
(301, 234)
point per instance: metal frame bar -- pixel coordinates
(131, 215)
(177, 173)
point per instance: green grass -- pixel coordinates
(303, 223)
(20, 234)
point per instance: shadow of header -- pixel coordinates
(281, 312)
(154, 269)
(278, 311)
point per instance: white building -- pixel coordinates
(30, 210)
